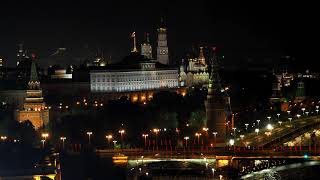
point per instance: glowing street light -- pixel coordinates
(307, 113)
(43, 141)
(246, 126)
(234, 131)
(269, 117)
(156, 131)
(145, 139)
(303, 109)
(109, 137)
(317, 110)
(258, 122)
(298, 116)
(45, 135)
(288, 112)
(280, 122)
(62, 138)
(257, 131)
(269, 127)
(278, 115)
(89, 133)
(198, 136)
(290, 119)
(186, 138)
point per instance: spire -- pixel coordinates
(34, 81)
(133, 36)
(201, 58)
(214, 79)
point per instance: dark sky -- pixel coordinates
(260, 29)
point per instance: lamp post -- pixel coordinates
(278, 115)
(257, 131)
(43, 141)
(45, 135)
(303, 109)
(145, 139)
(63, 138)
(288, 112)
(269, 127)
(156, 131)
(307, 113)
(215, 137)
(280, 122)
(109, 137)
(198, 136)
(269, 117)
(258, 121)
(186, 138)
(290, 119)
(121, 131)
(298, 116)
(246, 126)
(89, 133)
(114, 143)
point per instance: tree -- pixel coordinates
(198, 119)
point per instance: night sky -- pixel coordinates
(258, 30)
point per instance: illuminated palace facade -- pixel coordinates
(135, 73)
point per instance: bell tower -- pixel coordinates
(162, 48)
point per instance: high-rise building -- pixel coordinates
(215, 105)
(146, 48)
(162, 48)
(34, 108)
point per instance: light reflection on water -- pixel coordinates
(277, 172)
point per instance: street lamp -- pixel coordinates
(298, 116)
(258, 122)
(288, 112)
(186, 138)
(62, 138)
(278, 115)
(303, 109)
(290, 119)
(114, 143)
(109, 137)
(198, 135)
(156, 131)
(145, 139)
(257, 131)
(89, 133)
(307, 113)
(215, 137)
(280, 122)
(269, 117)
(246, 126)
(317, 110)
(45, 135)
(43, 142)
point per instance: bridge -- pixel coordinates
(281, 133)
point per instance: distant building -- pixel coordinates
(162, 48)
(196, 73)
(34, 108)
(134, 73)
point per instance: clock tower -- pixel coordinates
(162, 48)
